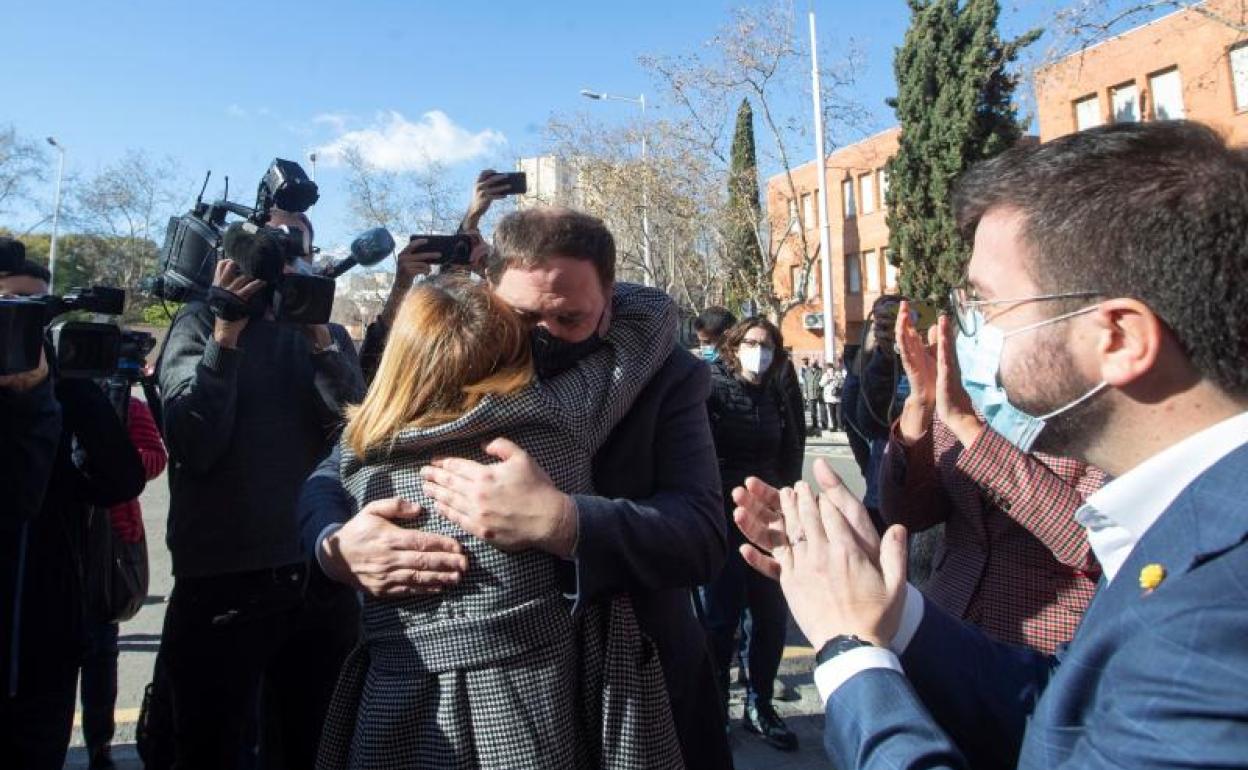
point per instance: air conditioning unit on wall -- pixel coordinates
(812, 321)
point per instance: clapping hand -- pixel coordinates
(838, 575)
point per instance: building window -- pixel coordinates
(853, 274)
(847, 192)
(792, 215)
(1239, 75)
(808, 211)
(867, 183)
(812, 284)
(883, 173)
(1167, 92)
(1087, 112)
(872, 266)
(1125, 100)
(890, 272)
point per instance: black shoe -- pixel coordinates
(785, 692)
(101, 758)
(762, 719)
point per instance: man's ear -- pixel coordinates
(1129, 340)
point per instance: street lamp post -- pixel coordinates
(312, 158)
(56, 215)
(645, 184)
(825, 227)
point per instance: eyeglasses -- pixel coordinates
(962, 303)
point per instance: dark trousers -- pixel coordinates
(738, 587)
(818, 417)
(229, 639)
(35, 726)
(834, 415)
(99, 684)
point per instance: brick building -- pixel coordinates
(860, 268)
(1187, 64)
(1183, 65)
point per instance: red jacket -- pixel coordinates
(1015, 562)
(127, 518)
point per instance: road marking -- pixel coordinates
(120, 716)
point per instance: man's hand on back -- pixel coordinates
(511, 504)
(373, 554)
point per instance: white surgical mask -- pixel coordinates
(979, 358)
(755, 360)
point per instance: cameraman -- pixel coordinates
(251, 405)
(88, 462)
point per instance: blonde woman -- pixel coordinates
(495, 672)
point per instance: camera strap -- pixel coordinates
(227, 305)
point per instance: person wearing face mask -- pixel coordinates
(756, 434)
(653, 530)
(1014, 561)
(251, 405)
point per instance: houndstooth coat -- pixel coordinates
(496, 672)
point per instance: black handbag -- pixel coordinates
(116, 572)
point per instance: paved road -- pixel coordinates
(140, 638)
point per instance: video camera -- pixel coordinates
(195, 241)
(81, 348)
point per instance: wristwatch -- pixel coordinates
(837, 645)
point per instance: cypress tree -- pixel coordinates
(955, 106)
(744, 213)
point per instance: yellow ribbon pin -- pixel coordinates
(1151, 576)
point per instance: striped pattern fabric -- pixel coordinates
(1014, 561)
(497, 672)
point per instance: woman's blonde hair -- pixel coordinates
(453, 342)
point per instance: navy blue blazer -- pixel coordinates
(1151, 680)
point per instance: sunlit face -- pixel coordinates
(1039, 369)
(22, 286)
(564, 295)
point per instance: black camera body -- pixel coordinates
(81, 348)
(452, 249)
(194, 241)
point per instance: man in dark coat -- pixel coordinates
(654, 530)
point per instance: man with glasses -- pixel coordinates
(1110, 270)
(1015, 563)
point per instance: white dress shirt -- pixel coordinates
(1116, 517)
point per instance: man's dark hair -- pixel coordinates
(1153, 211)
(527, 238)
(714, 321)
(30, 270)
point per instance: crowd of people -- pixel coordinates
(521, 526)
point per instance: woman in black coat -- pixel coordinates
(757, 433)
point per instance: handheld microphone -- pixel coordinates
(369, 248)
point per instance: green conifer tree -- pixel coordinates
(955, 106)
(748, 273)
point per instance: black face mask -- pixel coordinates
(551, 355)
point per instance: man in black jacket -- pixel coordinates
(86, 461)
(251, 405)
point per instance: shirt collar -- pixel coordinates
(1118, 514)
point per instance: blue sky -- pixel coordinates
(227, 87)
